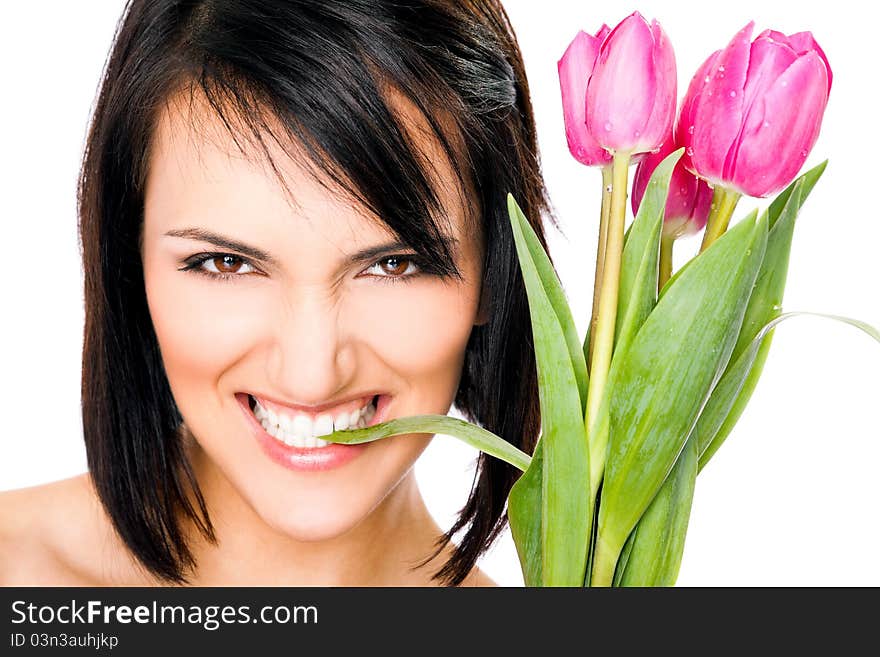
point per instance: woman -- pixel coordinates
(292, 218)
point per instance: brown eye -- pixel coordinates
(227, 264)
(395, 265)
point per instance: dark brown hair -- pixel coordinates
(317, 68)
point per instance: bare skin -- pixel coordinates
(58, 534)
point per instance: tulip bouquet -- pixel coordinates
(633, 412)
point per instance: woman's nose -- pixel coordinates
(309, 361)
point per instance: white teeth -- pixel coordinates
(341, 422)
(323, 425)
(301, 431)
(284, 423)
(301, 426)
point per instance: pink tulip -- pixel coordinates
(575, 69)
(632, 91)
(689, 199)
(752, 112)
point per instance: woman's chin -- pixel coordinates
(310, 525)
(303, 513)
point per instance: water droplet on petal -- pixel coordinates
(721, 75)
(690, 151)
(721, 69)
(784, 83)
(766, 124)
(803, 153)
(682, 190)
(706, 80)
(637, 134)
(733, 94)
(691, 130)
(608, 126)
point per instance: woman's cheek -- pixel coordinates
(421, 327)
(203, 326)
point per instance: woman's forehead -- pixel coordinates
(208, 158)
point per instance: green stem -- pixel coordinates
(600, 256)
(723, 203)
(607, 309)
(666, 244)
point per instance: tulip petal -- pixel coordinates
(702, 207)
(718, 115)
(790, 113)
(803, 42)
(688, 200)
(682, 195)
(659, 125)
(646, 167)
(684, 129)
(775, 37)
(768, 59)
(575, 68)
(621, 91)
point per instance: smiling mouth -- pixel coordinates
(304, 431)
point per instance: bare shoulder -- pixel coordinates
(50, 534)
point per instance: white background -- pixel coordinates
(792, 497)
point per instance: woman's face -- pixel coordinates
(256, 300)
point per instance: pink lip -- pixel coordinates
(308, 459)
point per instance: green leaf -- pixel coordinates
(638, 296)
(639, 270)
(623, 560)
(763, 304)
(556, 295)
(639, 267)
(524, 509)
(473, 435)
(667, 374)
(766, 299)
(655, 552)
(565, 512)
(736, 387)
(810, 178)
(748, 356)
(733, 394)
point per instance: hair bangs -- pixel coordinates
(353, 130)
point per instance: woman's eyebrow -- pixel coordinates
(363, 256)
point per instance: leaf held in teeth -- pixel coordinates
(473, 435)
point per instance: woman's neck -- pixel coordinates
(384, 549)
